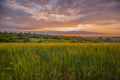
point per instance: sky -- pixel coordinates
(61, 17)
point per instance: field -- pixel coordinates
(61, 61)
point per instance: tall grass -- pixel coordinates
(85, 61)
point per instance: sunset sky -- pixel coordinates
(61, 17)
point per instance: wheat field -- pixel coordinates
(59, 61)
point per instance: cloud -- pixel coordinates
(7, 18)
(53, 1)
(61, 15)
(66, 10)
(14, 5)
(45, 12)
(55, 17)
(79, 27)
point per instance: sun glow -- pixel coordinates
(77, 28)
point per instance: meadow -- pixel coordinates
(59, 61)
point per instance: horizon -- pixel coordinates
(65, 35)
(61, 17)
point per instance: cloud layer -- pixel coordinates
(97, 16)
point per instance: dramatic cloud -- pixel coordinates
(94, 16)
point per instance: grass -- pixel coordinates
(61, 61)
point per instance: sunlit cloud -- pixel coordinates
(7, 18)
(55, 17)
(79, 27)
(100, 16)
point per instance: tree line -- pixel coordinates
(25, 37)
(33, 37)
